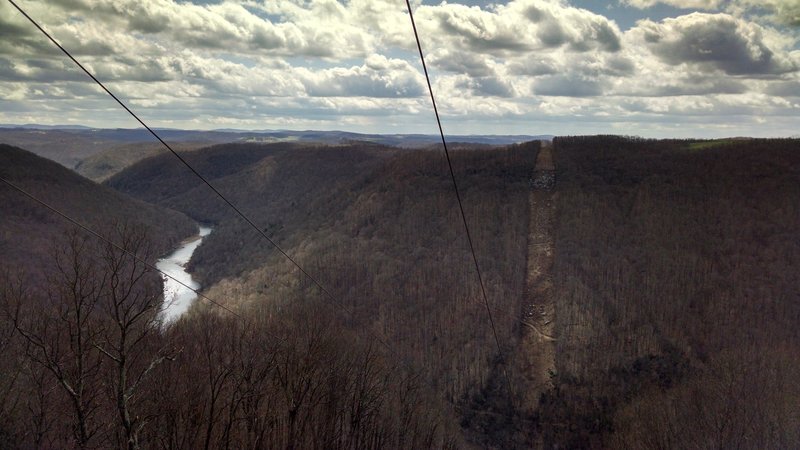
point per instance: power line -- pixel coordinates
(248, 220)
(115, 245)
(458, 197)
(192, 169)
(150, 266)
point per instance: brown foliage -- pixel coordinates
(380, 228)
(27, 230)
(675, 277)
(94, 369)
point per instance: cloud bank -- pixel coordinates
(715, 67)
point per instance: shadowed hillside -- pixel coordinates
(668, 297)
(87, 363)
(28, 231)
(380, 229)
(101, 166)
(677, 294)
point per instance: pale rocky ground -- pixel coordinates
(539, 316)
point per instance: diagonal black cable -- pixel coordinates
(458, 197)
(250, 222)
(115, 245)
(189, 166)
(150, 266)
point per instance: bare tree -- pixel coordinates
(130, 308)
(94, 328)
(10, 368)
(59, 332)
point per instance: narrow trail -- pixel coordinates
(537, 343)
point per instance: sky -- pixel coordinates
(653, 68)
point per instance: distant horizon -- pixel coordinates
(68, 127)
(631, 133)
(38, 126)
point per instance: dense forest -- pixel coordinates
(29, 232)
(393, 361)
(677, 294)
(671, 281)
(380, 228)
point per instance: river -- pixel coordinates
(178, 298)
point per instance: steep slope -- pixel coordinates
(101, 166)
(291, 190)
(538, 342)
(321, 386)
(28, 231)
(677, 296)
(380, 228)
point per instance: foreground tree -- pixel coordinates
(94, 328)
(130, 311)
(91, 373)
(60, 327)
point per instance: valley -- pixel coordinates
(633, 284)
(360, 224)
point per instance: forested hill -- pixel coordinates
(290, 190)
(670, 267)
(677, 294)
(28, 231)
(380, 228)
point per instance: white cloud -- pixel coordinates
(519, 26)
(571, 85)
(378, 77)
(714, 41)
(683, 4)
(506, 67)
(785, 12)
(231, 26)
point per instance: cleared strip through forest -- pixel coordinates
(537, 341)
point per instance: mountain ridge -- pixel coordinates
(27, 229)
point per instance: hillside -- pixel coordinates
(677, 296)
(96, 147)
(66, 147)
(379, 227)
(100, 166)
(28, 231)
(98, 153)
(647, 300)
